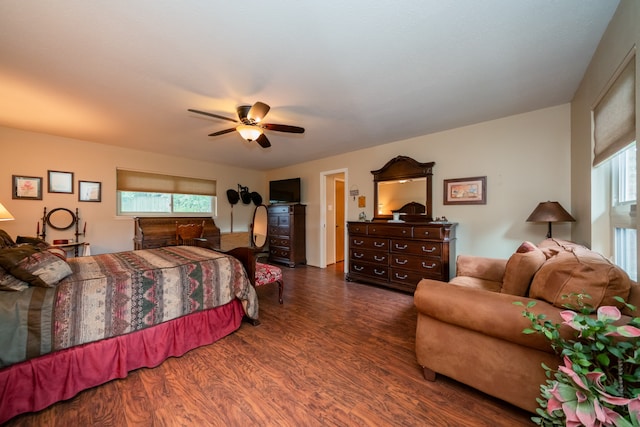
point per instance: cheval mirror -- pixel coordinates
(259, 227)
(403, 186)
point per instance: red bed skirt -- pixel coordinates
(34, 384)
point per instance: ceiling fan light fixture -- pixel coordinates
(248, 132)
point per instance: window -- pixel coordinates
(623, 210)
(141, 193)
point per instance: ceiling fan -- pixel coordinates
(250, 125)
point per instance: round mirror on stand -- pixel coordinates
(259, 227)
(61, 219)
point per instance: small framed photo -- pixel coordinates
(465, 191)
(60, 182)
(89, 191)
(26, 187)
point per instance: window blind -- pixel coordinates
(127, 180)
(614, 117)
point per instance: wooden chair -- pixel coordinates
(189, 234)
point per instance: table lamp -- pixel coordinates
(550, 212)
(5, 215)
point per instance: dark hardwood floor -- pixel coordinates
(335, 354)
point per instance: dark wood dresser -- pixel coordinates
(286, 234)
(399, 255)
(155, 232)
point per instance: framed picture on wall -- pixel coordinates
(26, 187)
(465, 191)
(60, 182)
(89, 191)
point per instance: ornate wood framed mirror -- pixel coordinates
(403, 186)
(61, 219)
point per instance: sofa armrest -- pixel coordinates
(491, 269)
(489, 313)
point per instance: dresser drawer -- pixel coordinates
(388, 230)
(416, 247)
(369, 256)
(429, 267)
(285, 209)
(407, 277)
(279, 252)
(279, 241)
(380, 272)
(357, 228)
(369, 243)
(428, 233)
(278, 231)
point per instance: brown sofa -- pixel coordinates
(470, 330)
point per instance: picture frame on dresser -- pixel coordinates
(26, 187)
(60, 182)
(465, 191)
(89, 191)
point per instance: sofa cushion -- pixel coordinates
(580, 271)
(477, 283)
(521, 267)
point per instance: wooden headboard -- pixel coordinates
(155, 232)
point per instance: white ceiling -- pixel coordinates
(353, 73)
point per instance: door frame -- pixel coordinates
(324, 176)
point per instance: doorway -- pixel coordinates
(333, 216)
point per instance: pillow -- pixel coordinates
(35, 241)
(5, 240)
(10, 283)
(38, 268)
(520, 269)
(580, 271)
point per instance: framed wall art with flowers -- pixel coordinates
(26, 187)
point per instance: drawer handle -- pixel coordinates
(433, 249)
(428, 266)
(357, 255)
(379, 258)
(379, 273)
(378, 244)
(404, 261)
(358, 242)
(401, 247)
(358, 268)
(403, 277)
(426, 233)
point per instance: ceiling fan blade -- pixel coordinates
(242, 111)
(212, 115)
(222, 132)
(283, 128)
(258, 111)
(263, 141)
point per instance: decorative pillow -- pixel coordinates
(520, 269)
(580, 271)
(5, 240)
(35, 241)
(38, 268)
(10, 283)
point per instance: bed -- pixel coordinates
(68, 325)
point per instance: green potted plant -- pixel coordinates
(598, 381)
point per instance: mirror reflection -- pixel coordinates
(392, 195)
(259, 226)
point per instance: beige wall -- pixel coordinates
(589, 197)
(525, 157)
(32, 154)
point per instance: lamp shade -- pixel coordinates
(250, 133)
(550, 212)
(5, 215)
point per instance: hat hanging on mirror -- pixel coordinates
(233, 196)
(256, 198)
(245, 194)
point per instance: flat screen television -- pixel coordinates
(284, 191)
